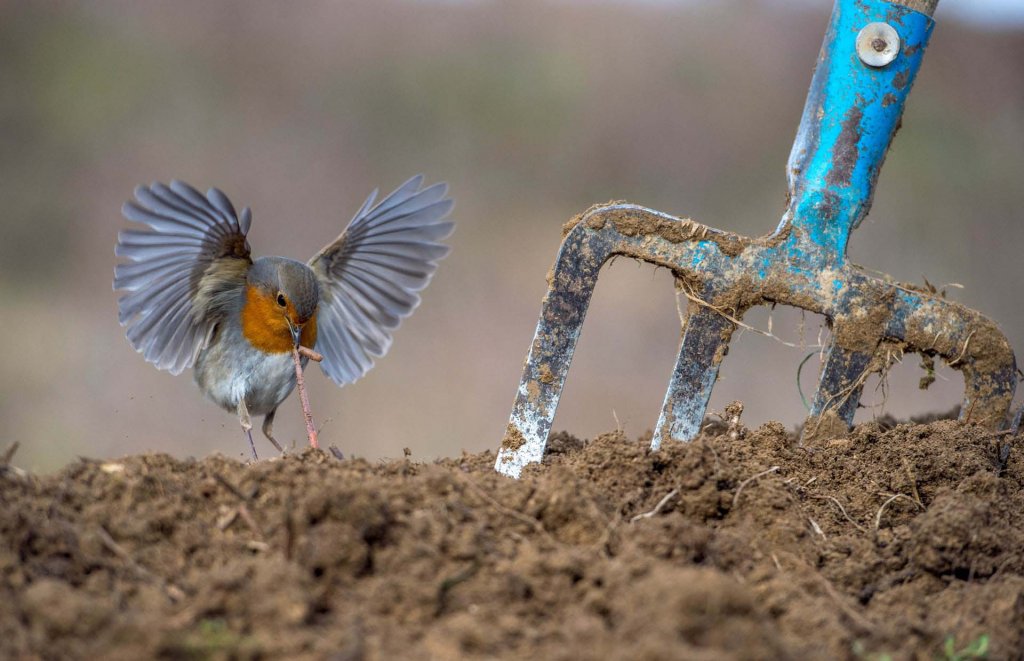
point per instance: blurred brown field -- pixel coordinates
(532, 111)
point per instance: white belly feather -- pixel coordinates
(229, 371)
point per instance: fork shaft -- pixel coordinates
(849, 119)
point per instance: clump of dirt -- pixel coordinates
(736, 546)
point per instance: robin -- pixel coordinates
(196, 298)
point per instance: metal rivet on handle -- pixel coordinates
(878, 44)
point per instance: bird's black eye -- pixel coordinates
(280, 300)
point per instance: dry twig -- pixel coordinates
(242, 509)
(235, 491)
(289, 527)
(856, 618)
(173, 592)
(859, 621)
(536, 525)
(5, 460)
(913, 482)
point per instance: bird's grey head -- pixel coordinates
(291, 283)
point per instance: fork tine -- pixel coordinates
(561, 319)
(839, 390)
(700, 354)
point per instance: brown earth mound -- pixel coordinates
(906, 543)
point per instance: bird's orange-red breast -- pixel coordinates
(266, 329)
(195, 297)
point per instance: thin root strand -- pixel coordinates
(657, 508)
(739, 490)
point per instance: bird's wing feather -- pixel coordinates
(370, 274)
(182, 270)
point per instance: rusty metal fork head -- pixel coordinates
(870, 56)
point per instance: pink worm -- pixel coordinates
(306, 413)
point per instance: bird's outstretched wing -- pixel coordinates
(181, 271)
(370, 274)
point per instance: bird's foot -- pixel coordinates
(268, 430)
(246, 422)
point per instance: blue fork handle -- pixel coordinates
(850, 117)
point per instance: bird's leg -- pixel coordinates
(268, 430)
(246, 422)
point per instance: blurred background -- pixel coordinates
(532, 111)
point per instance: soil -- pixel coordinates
(744, 544)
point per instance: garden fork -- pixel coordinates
(870, 56)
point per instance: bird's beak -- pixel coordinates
(296, 330)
